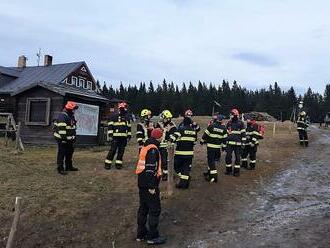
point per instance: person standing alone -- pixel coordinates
(149, 171)
(65, 135)
(119, 133)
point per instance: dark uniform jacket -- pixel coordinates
(65, 127)
(185, 138)
(302, 123)
(119, 126)
(252, 135)
(148, 178)
(169, 129)
(236, 132)
(194, 125)
(215, 136)
(143, 131)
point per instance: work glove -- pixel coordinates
(129, 138)
(252, 145)
(63, 142)
(109, 138)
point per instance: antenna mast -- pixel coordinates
(38, 56)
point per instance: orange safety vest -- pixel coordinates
(141, 165)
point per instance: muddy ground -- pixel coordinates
(284, 203)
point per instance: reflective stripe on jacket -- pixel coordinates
(119, 126)
(65, 127)
(215, 135)
(185, 138)
(302, 123)
(236, 132)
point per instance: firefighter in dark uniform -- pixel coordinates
(149, 173)
(302, 125)
(252, 141)
(65, 135)
(144, 128)
(236, 139)
(188, 113)
(215, 137)
(169, 129)
(185, 138)
(119, 133)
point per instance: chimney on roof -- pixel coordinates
(21, 61)
(48, 60)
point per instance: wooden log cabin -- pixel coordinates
(37, 94)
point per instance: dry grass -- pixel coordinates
(52, 203)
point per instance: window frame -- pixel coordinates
(89, 85)
(28, 111)
(74, 81)
(81, 83)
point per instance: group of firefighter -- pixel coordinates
(232, 137)
(155, 139)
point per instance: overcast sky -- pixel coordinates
(255, 42)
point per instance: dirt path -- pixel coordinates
(283, 203)
(291, 210)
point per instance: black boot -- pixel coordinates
(252, 166)
(107, 166)
(119, 166)
(206, 175)
(156, 241)
(306, 143)
(236, 172)
(229, 170)
(61, 170)
(213, 178)
(71, 168)
(244, 164)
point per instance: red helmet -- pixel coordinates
(71, 105)
(188, 113)
(122, 105)
(157, 133)
(234, 112)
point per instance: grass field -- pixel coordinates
(92, 207)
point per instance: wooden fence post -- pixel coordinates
(170, 150)
(18, 143)
(11, 238)
(6, 132)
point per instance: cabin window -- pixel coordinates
(37, 111)
(81, 82)
(89, 85)
(74, 81)
(66, 81)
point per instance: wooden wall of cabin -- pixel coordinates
(7, 104)
(38, 134)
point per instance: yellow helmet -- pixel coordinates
(145, 112)
(302, 113)
(166, 114)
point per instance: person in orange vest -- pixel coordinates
(149, 171)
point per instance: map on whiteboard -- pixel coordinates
(87, 117)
